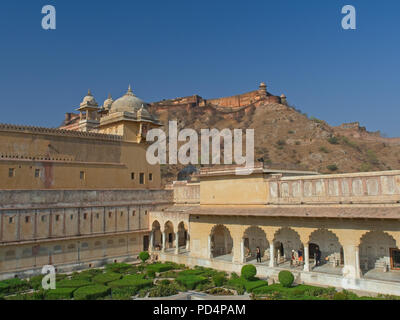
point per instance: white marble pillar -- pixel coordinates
(242, 253)
(272, 263)
(176, 242)
(187, 242)
(306, 258)
(151, 246)
(163, 241)
(357, 262)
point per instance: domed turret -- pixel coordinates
(262, 89)
(108, 102)
(127, 103)
(89, 100)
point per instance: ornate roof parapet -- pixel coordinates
(57, 132)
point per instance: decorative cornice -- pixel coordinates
(57, 132)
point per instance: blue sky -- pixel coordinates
(167, 49)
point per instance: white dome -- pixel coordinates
(89, 100)
(108, 102)
(127, 103)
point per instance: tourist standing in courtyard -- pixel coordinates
(317, 256)
(258, 251)
(300, 255)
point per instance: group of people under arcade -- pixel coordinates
(297, 256)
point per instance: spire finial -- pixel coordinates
(89, 93)
(129, 88)
(109, 96)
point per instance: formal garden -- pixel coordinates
(122, 281)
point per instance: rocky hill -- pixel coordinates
(287, 139)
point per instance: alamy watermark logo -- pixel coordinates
(188, 152)
(349, 20)
(49, 20)
(49, 280)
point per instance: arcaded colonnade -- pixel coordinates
(352, 246)
(169, 232)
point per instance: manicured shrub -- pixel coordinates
(261, 290)
(91, 292)
(175, 266)
(339, 296)
(234, 275)
(144, 255)
(248, 285)
(191, 272)
(252, 285)
(219, 279)
(151, 274)
(119, 267)
(159, 267)
(35, 282)
(39, 295)
(85, 275)
(107, 277)
(169, 274)
(59, 294)
(190, 281)
(163, 291)
(219, 292)
(248, 271)
(122, 293)
(240, 291)
(286, 278)
(13, 285)
(206, 272)
(69, 283)
(82, 277)
(135, 282)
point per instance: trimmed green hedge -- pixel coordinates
(87, 275)
(169, 274)
(107, 277)
(133, 281)
(206, 272)
(261, 290)
(59, 294)
(219, 279)
(36, 281)
(91, 292)
(286, 278)
(144, 255)
(190, 281)
(123, 293)
(175, 266)
(249, 271)
(299, 292)
(119, 267)
(82, 277)
(13, 285)
(248, 285)
(163, 291)
(67, 283)
(159, 267)
(191, 272)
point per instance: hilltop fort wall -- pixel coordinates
(239, 101)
